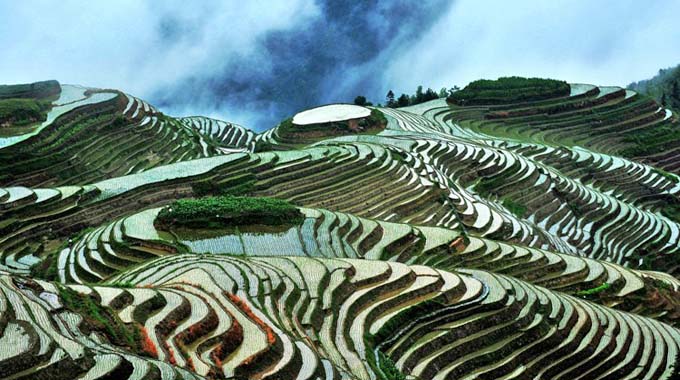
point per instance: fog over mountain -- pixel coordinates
(256, 63)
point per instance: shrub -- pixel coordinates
(361, 101)
(224, 211)
(509, 90)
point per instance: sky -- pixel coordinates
(258, 62)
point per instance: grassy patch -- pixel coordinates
(99, 318)
(516, 208)
(35, 90)
(46, 269)
(19, 112)
(509, 90)
(224, 211)
(592, 291)
(486, 186)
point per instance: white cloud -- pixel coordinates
(602, 42)
(134, 45)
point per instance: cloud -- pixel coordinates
(139, 47)
(252, 62)
(256, 62)
(602, 42)
(331, 57)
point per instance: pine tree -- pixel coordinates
(419, 96)
(390, 99)
(403, 101)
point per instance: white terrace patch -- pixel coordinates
(330, 113)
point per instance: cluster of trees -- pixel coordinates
(664, 87)
(405, 100)
(509, 90)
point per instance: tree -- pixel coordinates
(443, 92)
(419, 96)
(390, 99)
(360, 100)
(429, 95)
(675, 95)
(403, 101)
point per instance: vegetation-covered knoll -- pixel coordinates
(290, 134)
(37, 90)
(23, 104)
(608, 120)
(215, 212)
(19, 112)
(509, 90)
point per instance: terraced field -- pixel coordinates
(532, 239)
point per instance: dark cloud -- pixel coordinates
(332, 58)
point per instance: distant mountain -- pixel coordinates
(664, 87)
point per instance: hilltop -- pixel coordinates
(521, 228)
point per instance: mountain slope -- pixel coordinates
(520, 229)
(664, 87)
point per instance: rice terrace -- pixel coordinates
(513, 228)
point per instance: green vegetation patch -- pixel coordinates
(225, 211)
(664, 87)
(509, 90)
(35, 90)
(649, 141)
(47, 268)
(18, 112)
(516, 208)
(596, 290)
(99, 318)
(671, 210)
(385, 369)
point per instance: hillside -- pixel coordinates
(520, 229)
(664, 87)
